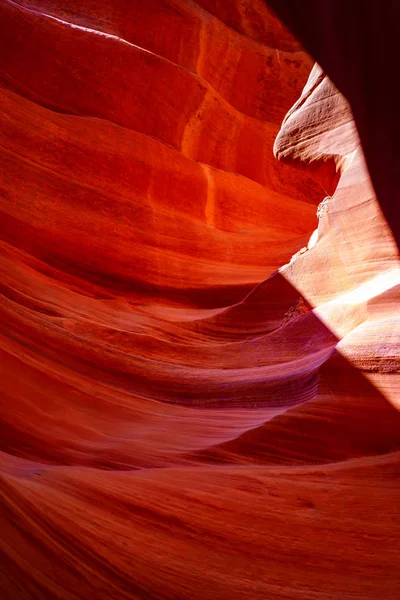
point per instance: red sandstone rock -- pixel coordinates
(199, 375)
(338, 34)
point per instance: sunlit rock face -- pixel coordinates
(199, 342)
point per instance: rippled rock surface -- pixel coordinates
(199, 338)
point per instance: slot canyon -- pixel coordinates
(199, 292)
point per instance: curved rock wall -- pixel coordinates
(199, 364)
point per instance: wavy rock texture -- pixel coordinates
(199, 373)
(338, 34)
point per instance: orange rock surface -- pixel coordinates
(199, 343)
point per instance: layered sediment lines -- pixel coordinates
(199, 367)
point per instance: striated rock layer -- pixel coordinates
(199, 343)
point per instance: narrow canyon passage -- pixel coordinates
(199, 334)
